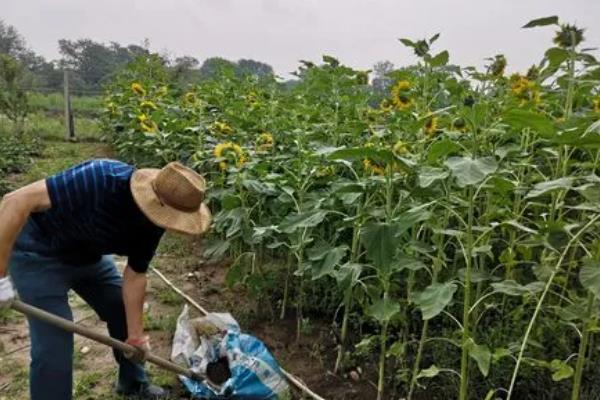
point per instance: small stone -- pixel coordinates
(355, 376)
(84, 350)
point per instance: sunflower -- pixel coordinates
(596, 104)
(265, 141)
(147, 124)
(162, 91)
(430, 127)
(147, 104)
(400, 148)
(373, 168)
(223, 127)
(568, 36)
(459, 125)
(190, 98)
(252, 98)
(138, 89)
(385, 106)
(400, 93)
(498, 66)
(524, 89)
(229, 149)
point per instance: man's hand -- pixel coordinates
(7, 293)
(143, 349)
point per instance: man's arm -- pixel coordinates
(134, 291)
(15, 208)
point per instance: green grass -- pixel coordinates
(85, 384)
(54, 103)
(169, 297)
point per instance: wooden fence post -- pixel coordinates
(69, 123)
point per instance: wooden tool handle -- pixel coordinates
(104, 339)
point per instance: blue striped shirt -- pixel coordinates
(93, 213)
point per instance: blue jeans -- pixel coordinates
(43, 279)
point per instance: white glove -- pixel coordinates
(7, 293)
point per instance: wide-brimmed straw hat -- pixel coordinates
(172, 198)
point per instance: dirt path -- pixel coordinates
(178, 258)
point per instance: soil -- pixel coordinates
(310, 359)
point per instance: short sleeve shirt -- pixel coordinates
(93, 213)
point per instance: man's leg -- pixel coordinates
(44, 283)
(100, 285)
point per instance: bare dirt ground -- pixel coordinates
(178, 258)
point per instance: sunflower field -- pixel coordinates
(448, 228)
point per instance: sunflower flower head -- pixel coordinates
(400, 94)
(229, 152)
(148, 105)
(138, 89)
(372, 168)
(524, 89)
(223, 127)
(431, 126)
(162, 91)
(265, 141)
(400, 148)
(568, 36)
(498, 66)
(190, 98)
(596, 104)
(146, 124)
(386, 106)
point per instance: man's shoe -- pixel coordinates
(146, 392)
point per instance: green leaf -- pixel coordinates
(383, 310)
(403, 261)
(520, 119)
(215, 248)
(556, 56)
(541, 188)
(441, 149)
(481, 354)
(348, 274)
(306, 219)
(430, 372)
(561, 369)
(407, 42)
(360, 153)
(440, 59)
(407, 219)
(434, 38)
(428, 175)
(553, 20)
(379, 239)
(435, 298)
(327, 266)
(513, 288)
(468, 171)
(589, 276)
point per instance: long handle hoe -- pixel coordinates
(69, 326)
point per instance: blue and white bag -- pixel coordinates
(254, 372)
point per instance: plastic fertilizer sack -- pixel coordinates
(236, 365)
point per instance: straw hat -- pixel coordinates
(172, 198)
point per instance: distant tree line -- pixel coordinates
(92, 63)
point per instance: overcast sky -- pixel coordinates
(281, 32)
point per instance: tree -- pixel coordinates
(252, 67)
(13, 99)
(212, 67)
(381, 81)
(11, 42)
(96, 62)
